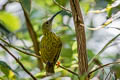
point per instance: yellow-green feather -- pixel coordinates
(50, 47)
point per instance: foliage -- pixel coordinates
(8, 18)
(39, 11)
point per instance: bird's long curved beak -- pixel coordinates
(51, 19)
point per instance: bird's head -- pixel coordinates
(47, 26)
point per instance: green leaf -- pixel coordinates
(11, 22)
(3, 29)
(116, 69)
(90, 54)
(85, 6)
(63, 2)
(12, 75)
(27, 5)
(74, 47)
(66, 52)
(110, 1)
(109, 10)
(7, 70)
(44, 3)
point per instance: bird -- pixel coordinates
(50, 46)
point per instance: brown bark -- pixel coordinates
(80, 35)
(33, 37)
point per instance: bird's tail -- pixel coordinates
(50, 69)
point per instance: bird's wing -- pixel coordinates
(57, 55)
(56, 46)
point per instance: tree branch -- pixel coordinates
(69, 71)
(80, 35)
(33, 37)
(102, 67)
(113, 5)
(18, 62)
(107, 22)
(90, 62)
(61, 6)
(19, 49)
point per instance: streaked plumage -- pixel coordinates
(50, 46)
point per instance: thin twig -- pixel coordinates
(107, 75)
(115, 76)
(103, 49)
(113, 5)
(102, 67)
(61, 6)
(23, 42)
(117, 43)
(18, 62)
(69, 70)
(114, 28)
(107, 22)
(19, 49)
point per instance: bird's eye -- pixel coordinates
(46, 22)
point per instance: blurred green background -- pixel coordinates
(13, 29)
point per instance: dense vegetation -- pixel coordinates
(102, 40)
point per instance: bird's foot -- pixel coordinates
(58, 64)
